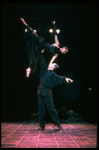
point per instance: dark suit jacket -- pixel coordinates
(48, 81)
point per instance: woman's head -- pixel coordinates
(64, 50)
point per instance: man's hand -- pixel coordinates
(28, 70)
(68, 80)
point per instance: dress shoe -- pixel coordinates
(42, 128)
(60, 127)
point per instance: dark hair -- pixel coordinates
(56, 66)
(65, 47)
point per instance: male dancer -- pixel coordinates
(48, 80)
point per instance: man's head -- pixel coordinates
(53, 67)
(64, 50)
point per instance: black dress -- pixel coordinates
(35, 45)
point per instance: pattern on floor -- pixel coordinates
(27, 135)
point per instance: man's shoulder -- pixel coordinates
(53, 73)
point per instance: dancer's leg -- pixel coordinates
(52, 110)
(41, 104)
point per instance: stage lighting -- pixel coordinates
(25, 30)
(58, 31)
(89, 89)
(51, 30)
(35, 31)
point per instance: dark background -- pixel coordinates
(78, 30)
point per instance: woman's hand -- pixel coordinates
(23, 21)
(53, 22)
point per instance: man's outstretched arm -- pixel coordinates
(63, 79)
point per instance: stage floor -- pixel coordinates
(27, 135)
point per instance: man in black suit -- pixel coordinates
(48, 80)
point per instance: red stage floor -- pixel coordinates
(27, 135)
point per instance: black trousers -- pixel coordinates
(48, 101)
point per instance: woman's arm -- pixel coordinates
(56, 37)
(56, 41)
(53, 58)
(25, 23)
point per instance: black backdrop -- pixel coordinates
(78, 25)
